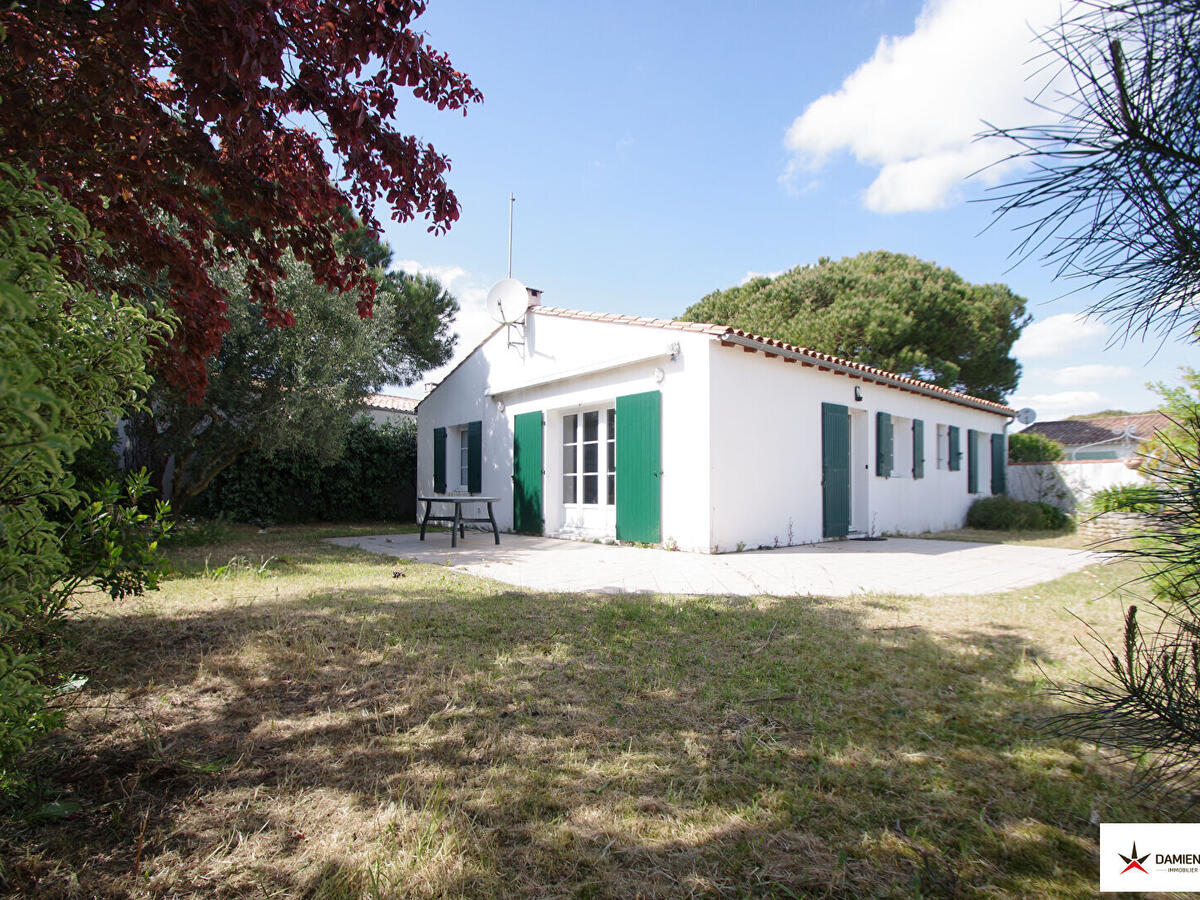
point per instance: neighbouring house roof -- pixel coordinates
(392, 403)
(769, 346)
(1079, 432)
(1144, 425)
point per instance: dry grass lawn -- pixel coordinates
(290, 719)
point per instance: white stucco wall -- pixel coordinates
(741, 434)
(556, 346)
(766, 454)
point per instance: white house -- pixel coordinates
(701, 437)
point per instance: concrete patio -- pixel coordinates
(837, 569)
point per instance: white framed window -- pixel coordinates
(610, 495)
(464, 443)
(943, 446)
(589, 457)
(570, 458)
(902, 447)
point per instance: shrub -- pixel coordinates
(70, 359)
(1007, 514)
(375, 478)
(1027, 446)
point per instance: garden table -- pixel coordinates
(459, 521)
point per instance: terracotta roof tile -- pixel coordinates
(391, 402)
(894, 379)
(1075, 432)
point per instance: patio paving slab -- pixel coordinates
(833, 569)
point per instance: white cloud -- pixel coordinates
(913, 110)
(1082, 376)
(447, 275)
(1056, 335)
(1059, 405)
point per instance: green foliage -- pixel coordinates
(373, 478)
(294, 391)
(888, 310)
(1028, 446)
(1110, 194)
(1127, 498)
(69, 360)
(1149, 694)
(1181, 403)
(1003, 513)
(188, 531)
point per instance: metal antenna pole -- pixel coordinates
(511, 201)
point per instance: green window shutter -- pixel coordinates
(475, 457)
(955, 453)
(639, 467)
(918, 448)
(439, 460)
(883, 444)
(999, 464)
(972, 461)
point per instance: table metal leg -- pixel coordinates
(457, 525)
(425, 521)
(492, 518)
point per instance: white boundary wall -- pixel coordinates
(1069, 484)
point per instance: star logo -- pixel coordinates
(1133, 861)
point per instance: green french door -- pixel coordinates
(639, 467)
(527, 473)
(835, 469)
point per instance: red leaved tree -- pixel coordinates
(191, 131)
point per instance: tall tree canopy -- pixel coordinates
(888, 310)
(193, 132)
(298, 388)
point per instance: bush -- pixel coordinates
(1026, 446)
(70, 359)
(375, 478)
(1006, 514)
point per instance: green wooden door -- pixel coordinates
(835, 469)
(527, 473)
(639, 467)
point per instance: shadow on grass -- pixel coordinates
(420, 740)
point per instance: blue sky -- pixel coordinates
(659, 151)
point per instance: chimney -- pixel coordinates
(535, 296)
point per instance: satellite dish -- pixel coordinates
(507, 301)
(1026, 416)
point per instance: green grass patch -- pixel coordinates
(340, 725)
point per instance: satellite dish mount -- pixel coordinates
(507, 302)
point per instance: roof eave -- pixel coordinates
(867, 373)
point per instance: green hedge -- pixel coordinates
(1006, 514)
(1028, 446)
(375, 478)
